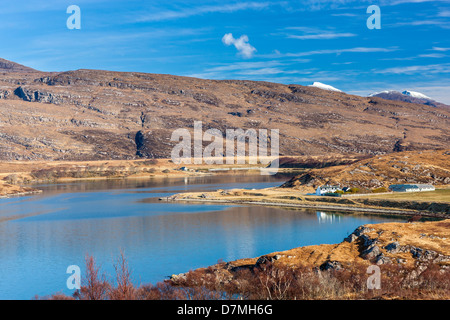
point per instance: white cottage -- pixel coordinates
(326, 189)
(411, 187)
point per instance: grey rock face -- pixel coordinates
(331, 265)
(393, 247)
(371, 252)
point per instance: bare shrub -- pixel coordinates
(94, 286)
(125, 289)
(267, 280)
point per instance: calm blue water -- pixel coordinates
(40, 236)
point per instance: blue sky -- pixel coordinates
(280, 41)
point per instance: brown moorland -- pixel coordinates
(427, 167)
(98, 115)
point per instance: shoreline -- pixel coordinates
(175, 173)
(288, 198)
(323, 207)
(411, 246)
(21, 194)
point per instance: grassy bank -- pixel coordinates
(414, 262)
(283, 197)
(17, 177)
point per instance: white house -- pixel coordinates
(326, 189)
(411, 187)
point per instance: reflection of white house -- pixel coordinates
(327, 217)
(326, 189)
(411, 187)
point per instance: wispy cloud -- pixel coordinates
(415, 23)
(424, 55)
(423, 69)
(440, 49)
(246, 69)
(322, 36)
(309, 33)
(241, 44)
(245, 66)
(347, 14)
(189, 12)
(444, 13)
(333, 51)
(432, 55)
(397, 2)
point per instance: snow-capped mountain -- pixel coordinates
(376, 94)
(408, 96)
(415, 94)
(323, 86)
(412, 94)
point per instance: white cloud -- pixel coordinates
(325, 36)
(440, 49)
(432, 55)
(262, 71)
(397, 2)
(189, 12)
(344, 15)
(333, 51)
(241, 44)
(424, 69)
(245, 66)
(315, 33)
(445, 13)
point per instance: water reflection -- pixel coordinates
(324, 217)
(44, 234)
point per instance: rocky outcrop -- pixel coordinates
(5, 93)
(331, 265)
(31, 95)
(371, 248)
(153, 144)
(410, 248)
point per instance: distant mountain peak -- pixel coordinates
(9, 66)
(375, 94)
(409, 96)
(415, 94)
(323, 86)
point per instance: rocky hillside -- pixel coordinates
(9, 66)
(96, 115)
(431, 167)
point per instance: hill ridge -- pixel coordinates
(95, 115)
(10, 66)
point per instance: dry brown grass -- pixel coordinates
(295, 274)
(440, 195)
(294, 198)
(267, 281)
(431, 166)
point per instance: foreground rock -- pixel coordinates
(415, 246)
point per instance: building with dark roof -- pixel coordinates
(411, 187)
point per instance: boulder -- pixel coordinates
(331, 265)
